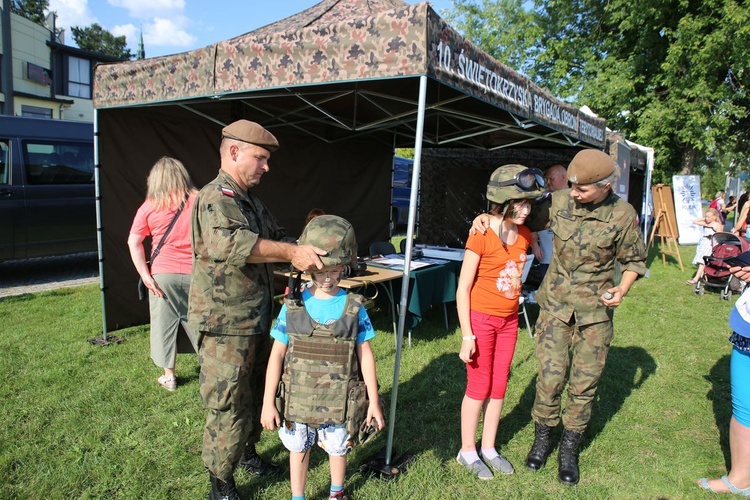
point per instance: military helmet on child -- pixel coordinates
(335, 235)
(514, 182)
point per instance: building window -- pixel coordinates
(35, 111)
(79, 77)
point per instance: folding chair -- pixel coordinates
(382, 248)
(522, 297)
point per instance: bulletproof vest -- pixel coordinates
(321, 364)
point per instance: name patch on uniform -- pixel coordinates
(227, 192)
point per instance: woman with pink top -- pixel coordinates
(170, 196)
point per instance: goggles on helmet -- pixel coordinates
(527, 180)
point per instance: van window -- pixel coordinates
(4, 163)
(58, 162)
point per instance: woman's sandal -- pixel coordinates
(744, 492)
(691, 282)
(169, 383)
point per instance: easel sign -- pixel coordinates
(664, 223)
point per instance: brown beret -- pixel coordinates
(250, 132)
(590, 165)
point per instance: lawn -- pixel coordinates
(85, 421)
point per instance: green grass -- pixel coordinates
(84, 421)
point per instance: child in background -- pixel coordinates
(710, 224)
(487, 302)
(321, 344)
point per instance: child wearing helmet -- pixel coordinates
(487, 302)
(322, 356)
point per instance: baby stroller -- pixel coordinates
(716, 273)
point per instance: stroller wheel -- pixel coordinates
(701, 291)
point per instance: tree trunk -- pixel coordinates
(688, 161)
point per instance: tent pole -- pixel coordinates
(649, 172)
(97, 184)
(407, 261)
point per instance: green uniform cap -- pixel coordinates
(589, 166)
(333, 234)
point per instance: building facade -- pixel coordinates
(42, 77)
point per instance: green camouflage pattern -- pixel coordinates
(333, 234)
(339, 41)
(228, 295)
(321, 365)
(587, 242)
(335, 40)
(589, 345)
(232, 380)
(506, 193)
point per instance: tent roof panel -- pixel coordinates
(367, 54)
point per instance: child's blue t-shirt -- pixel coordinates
(324, 311)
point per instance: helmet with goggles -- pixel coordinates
(333, 234)
(514, 182)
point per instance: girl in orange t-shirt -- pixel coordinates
(487, 302)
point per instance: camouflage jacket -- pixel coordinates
(228, 295)
(588, 240)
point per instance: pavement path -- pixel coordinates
(47, 273)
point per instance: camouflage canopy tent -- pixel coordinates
(341, 85)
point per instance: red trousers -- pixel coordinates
(487, 374)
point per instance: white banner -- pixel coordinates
(687, 206)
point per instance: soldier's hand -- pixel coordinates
(306, 257)
(742, 273)
(480, 224)
(270, 418)
(612, 297)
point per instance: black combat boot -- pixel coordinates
(541, 448)
(251, 463)
(223, 490)
(567, 458)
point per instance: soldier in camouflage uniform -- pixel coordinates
(593, 228)
(230, 305)
(322, 355)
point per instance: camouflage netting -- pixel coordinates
(454, 182)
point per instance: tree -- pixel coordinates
(94, 38)
(671, 74)
(33, 10)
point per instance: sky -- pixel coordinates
(172, 26)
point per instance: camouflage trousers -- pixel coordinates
(232, 380)
(556, 343)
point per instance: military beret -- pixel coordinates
(589, 166)
(252, 133)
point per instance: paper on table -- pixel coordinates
(398, 263)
